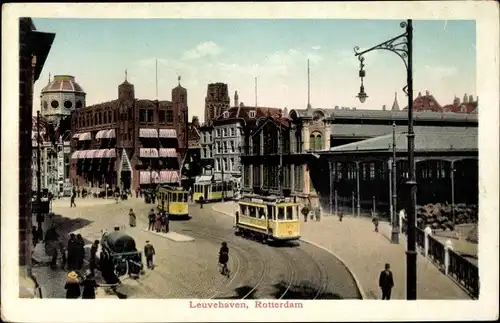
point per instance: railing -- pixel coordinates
(466, 273)
(460, 269)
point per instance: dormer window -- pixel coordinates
(225, 115)
(251, 114)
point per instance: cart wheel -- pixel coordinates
(121, 268)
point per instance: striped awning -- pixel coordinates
(110, 134)
(101, 134)
(100, 153)
(146, 177)
(168, 133)
(76, 136)
(88, 154)
(110, 153)
(148, 153)
(148, 133)
(169, 176)
(84, 136)
(168, 152)
(77, 154)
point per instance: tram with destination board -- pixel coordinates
(173, 201)
(213, 191)
(266, 218)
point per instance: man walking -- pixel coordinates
(386, 282)
(149, 252)
(73, 196)
(151, 219)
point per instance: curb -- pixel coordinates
(358, 284)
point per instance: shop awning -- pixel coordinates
(88, 154)
(101, 134)
(76, 136)
(204, 178)
(85, 136)
(100, 153)
(110, 153)
(168, 133)
(76, 154)
(110, 134)
(148, 133)
(169, 176)
(146, 177)
(168, 152)
(148, 153)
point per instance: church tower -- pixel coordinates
(181, 112)
(216, 101)
(126, 113)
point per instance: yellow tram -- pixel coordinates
(174, 201)
(268, 218)
(212, 191)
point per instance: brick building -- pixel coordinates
(129, 142)
(34, 47)
(216, 101)
(428, 102)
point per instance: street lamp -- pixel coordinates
(402, 46)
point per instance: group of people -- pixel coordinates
(77, 286)
(159, 222)
(75, 252)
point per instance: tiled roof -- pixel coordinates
(140, 103)
(63, 83)
(243, 112)
(469, 107)
(367, 131)
(425, 140)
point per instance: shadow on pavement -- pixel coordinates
(303, 290)
(244, 291)
(65, 226)
(283, 244)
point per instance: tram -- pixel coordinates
(212, 191)
(174, 201)
(267, 218)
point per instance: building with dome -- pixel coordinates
(129, 142)
(58, 99)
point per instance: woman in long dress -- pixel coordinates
(158, 222)
(132, 218)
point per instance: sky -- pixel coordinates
(236, 51)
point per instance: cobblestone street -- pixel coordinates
(188, 269)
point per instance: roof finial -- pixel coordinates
(125, 75)
(308, 86)
(49, 78)
(179, 80)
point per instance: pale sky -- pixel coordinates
(235, 51)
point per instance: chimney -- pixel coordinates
(465, 98)
(456, 101)
(419, 94)
(426, 92)
(383, 107)
(285, 112)
(471, 99)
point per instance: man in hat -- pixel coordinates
(151, 219)
(386, 282)
(149, 252)
(72, 285)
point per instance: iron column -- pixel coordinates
(395, 214)
(38, 170)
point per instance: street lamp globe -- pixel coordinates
(362, 95)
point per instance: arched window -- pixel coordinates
(319, 142)
(316, 141)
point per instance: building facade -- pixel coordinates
(129, 142)
(34, 47)
(58, 99)
(216, 101)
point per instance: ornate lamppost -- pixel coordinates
(402, 46)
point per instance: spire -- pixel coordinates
(308, 86)
(236, 98)
(49, 79)
(395, 105)
(125, 75)
(179, 80)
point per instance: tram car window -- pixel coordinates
(252, 211)
(289, 213)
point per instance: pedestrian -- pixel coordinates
(131, 218)
(375, 223)
(71, 259)
(78, 192)
(92, 259)
(80, 251)
(341, 215)
(72, 285)
(386, 282)
(201, 200)
(305, 212)
(163, 221)
(89, 285)
(151, 219)
(73, 200)
(167, 222)
(158, 222)
(137, 193)
(35, 235)
(149, 252)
